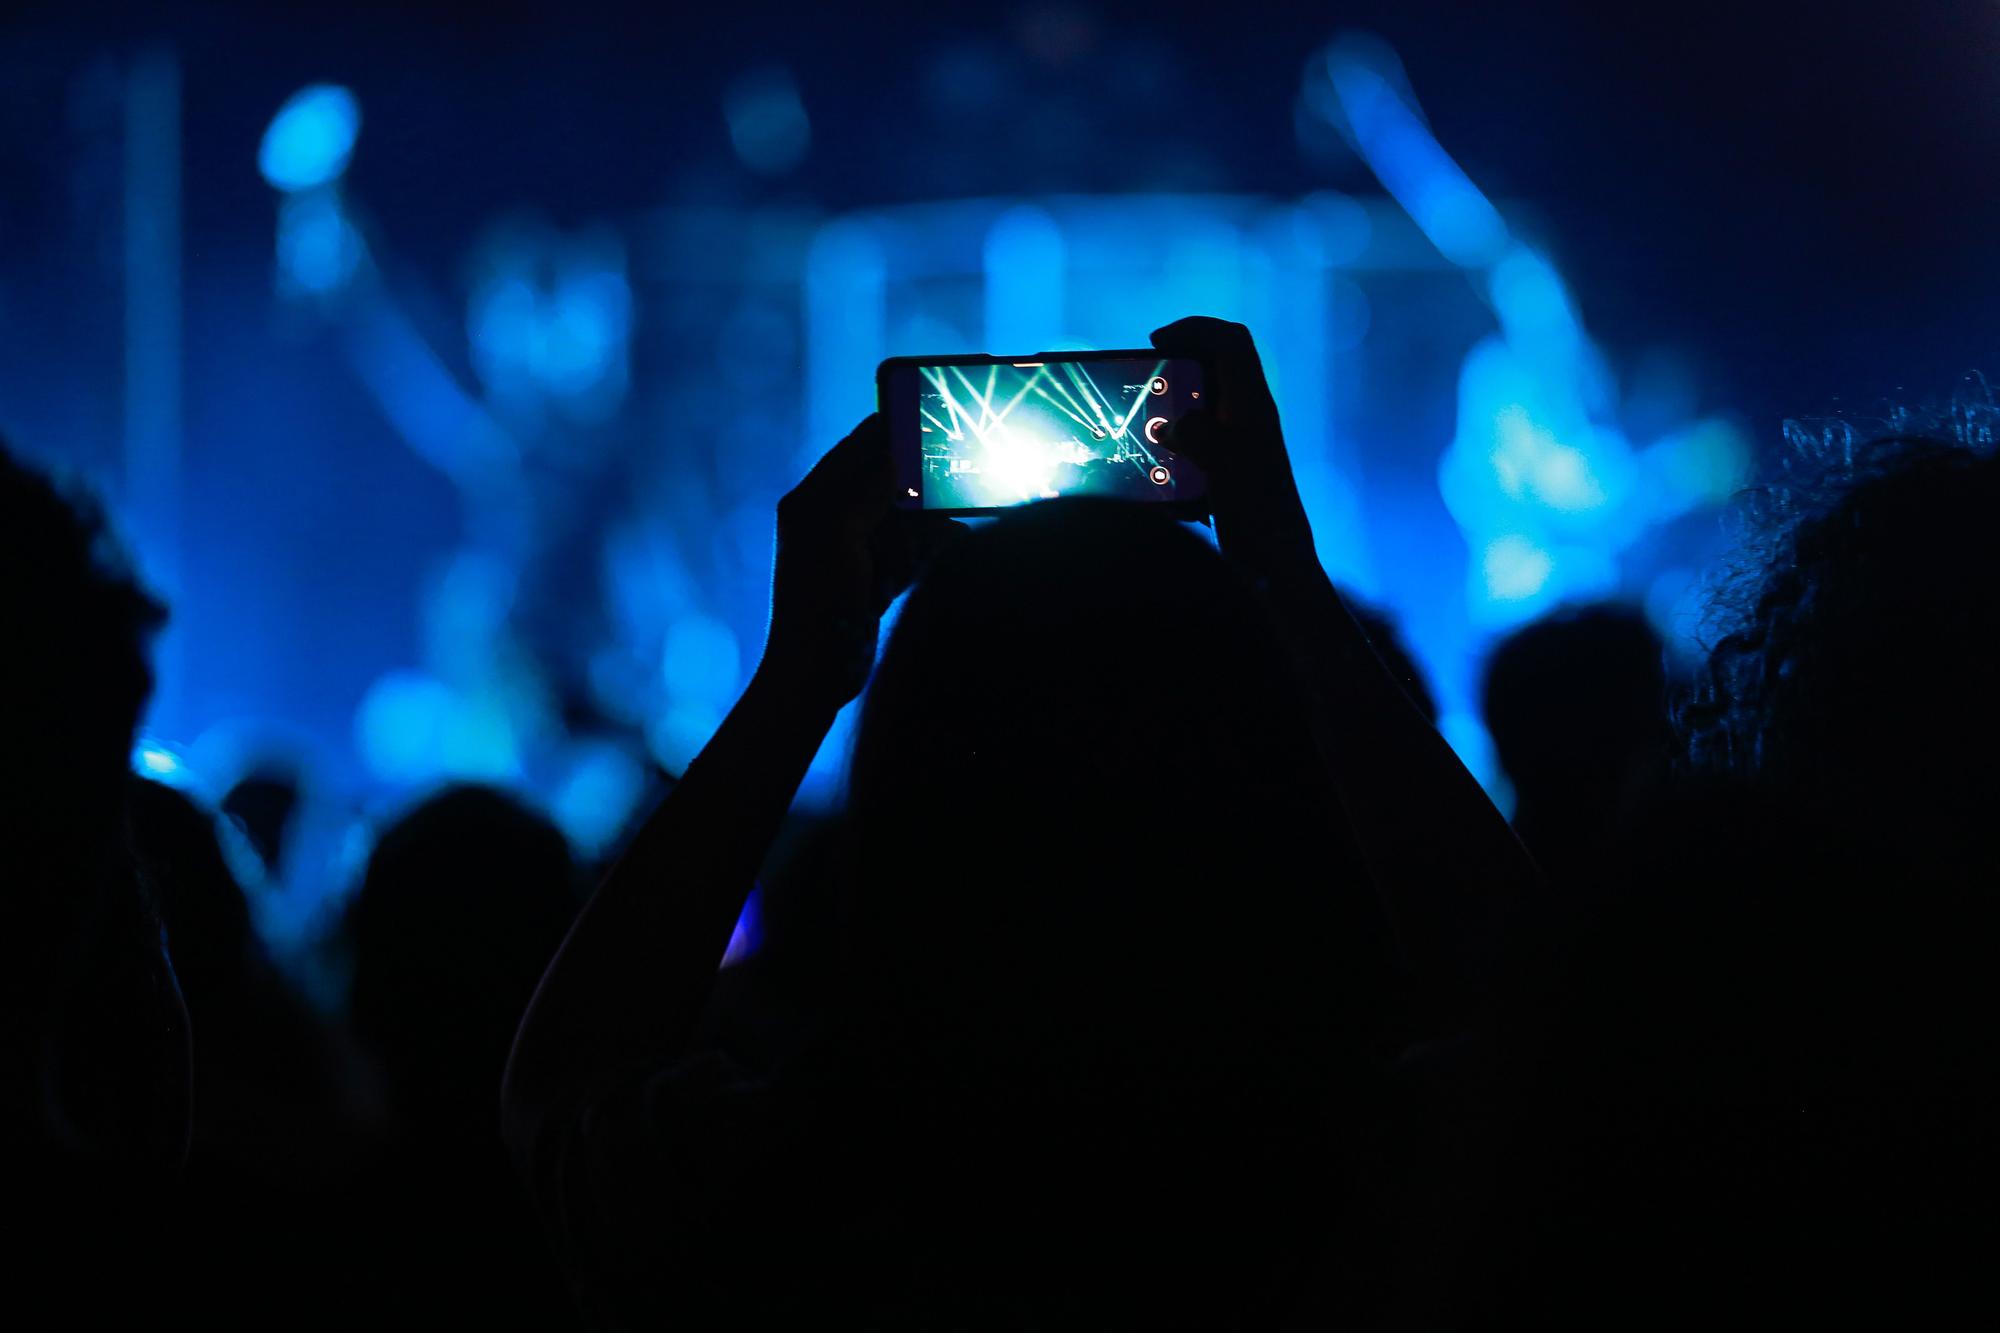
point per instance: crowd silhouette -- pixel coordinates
(1229, 1002)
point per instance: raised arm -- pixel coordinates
(629, 982)
(1447, 866)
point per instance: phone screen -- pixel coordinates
(981, 433)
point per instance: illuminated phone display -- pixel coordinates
(974, 434)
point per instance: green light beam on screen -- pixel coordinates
(1015, 400)
(1066, 412)
(960, 417)
(966, 424)
(985, 399)
(937, 382)
(1088, 403)
(1089, 391)
(985, 403)
(1080, 408)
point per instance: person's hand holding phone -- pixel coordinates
(844, 553)
(1259, 518)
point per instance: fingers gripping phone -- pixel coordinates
(974, 434)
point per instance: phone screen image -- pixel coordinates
(986, 433)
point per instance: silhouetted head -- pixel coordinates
(1854, 671)
(1576, 704)
(75, 631)
(1778, 1027)
(93, 1054)
(1091, 831)
(1572, 699)
(465, 901)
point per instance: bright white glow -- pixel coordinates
(1019, 461)
(155, 761)
(1529, 461)
(1563, 479)
(1516, 568)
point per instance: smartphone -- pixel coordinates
(975, 434)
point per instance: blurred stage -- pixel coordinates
(445, 377)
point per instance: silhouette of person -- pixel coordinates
(464, 899)
(1069, 1071)
(277, 1131)
(94, 1042)
(267, 1066)
(1758, 1082)
(1576, 704)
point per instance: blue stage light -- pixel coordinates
(1674, 605)
(701, 662)
(1515, 568)
(401, 727)
(1330, 228)
(1467, 736)
(597, 794)
(676, 735)
(1023, 258)
(318, 248)
(1362, 93)
(587, 324)
(153, 760)
(768, 125)
(504, 321)
(1531, 300)
(466, 607)
(311, 138)
(1530, 463)
(1704, 464)
(550, 320)
(846, 301)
